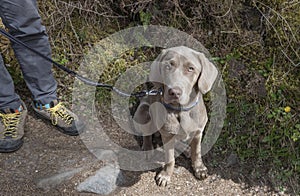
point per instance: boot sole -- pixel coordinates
(39, 116)
(14, 148)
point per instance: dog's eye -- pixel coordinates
(191, 69)
(168, 66)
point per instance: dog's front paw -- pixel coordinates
(163, 178)
(201, 172)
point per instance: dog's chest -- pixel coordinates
(180, 124)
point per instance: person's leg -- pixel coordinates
(12, 113)
(8, 97)
(24, 22)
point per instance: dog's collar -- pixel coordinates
(182, 108)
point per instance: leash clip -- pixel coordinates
(154, 92)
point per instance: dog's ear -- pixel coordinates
(155, 73)
(208, 74)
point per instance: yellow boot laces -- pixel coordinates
(59, 111)
(10, 122)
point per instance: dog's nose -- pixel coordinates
(175, 92)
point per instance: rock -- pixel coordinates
(103, 182)
(232, 159)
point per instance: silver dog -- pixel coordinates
(182, 75)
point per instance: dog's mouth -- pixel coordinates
(178, 105)
(176, 96)
(173, 101)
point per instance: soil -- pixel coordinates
(47, 152)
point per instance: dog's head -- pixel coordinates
(179, 70)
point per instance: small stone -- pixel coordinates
(103, 182)
(232, 159)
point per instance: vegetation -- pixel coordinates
(256, 47)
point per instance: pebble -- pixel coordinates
(232, 159)
(104, 182)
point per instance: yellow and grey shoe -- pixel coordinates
(59, 116)
(12, 128)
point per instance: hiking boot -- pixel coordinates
(12, 128)
(56, 113)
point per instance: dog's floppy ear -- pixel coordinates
(155, 73)
(208, 75)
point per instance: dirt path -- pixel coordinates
(51, 163)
